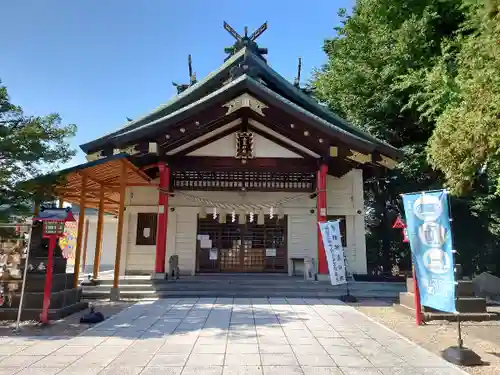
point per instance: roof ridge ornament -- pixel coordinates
(192, 78)
(245, 41)
(245, 101)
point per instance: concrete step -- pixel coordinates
(464, 304)
(255, 293)
(465, 288)
(197, 283)
(303, 288)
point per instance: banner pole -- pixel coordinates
(416, 296)
(348, 297)
(459, 354)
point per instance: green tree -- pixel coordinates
(461, 92)
(377, 62)
(29, 147)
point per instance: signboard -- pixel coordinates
(429, 232)
(67, 242)
(332, 241)
(53, 227)
(270, 252)
(213, 253)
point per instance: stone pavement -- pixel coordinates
(226, 336)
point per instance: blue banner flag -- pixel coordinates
(429, 232)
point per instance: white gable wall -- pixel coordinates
(344, 197)
(226, 147)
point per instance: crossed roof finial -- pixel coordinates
(245, 41)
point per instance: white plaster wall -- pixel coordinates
(344, 197)
(108, 243)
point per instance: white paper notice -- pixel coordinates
(213, 254)
(205, 244)
(201, 237)
(270, 252)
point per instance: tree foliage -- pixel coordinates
(406, 70)
(461, 92)
(29, 146)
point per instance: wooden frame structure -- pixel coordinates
(100, 185)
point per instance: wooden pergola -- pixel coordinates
(101, 185)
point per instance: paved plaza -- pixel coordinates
(226, 336)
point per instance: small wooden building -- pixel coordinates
(231, 175)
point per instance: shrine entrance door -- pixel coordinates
(235, 247)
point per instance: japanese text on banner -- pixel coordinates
(332, 241)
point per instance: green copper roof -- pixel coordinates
(193, 93)
(212, 86)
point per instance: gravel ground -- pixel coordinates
(482, 337)
(69, 326)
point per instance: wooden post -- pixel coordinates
(36, 210)
(98, 239)
(115, 293)
(84, 256)
(61, 202)
(321, 216)
(80, 235)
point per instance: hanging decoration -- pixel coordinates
(275, 208)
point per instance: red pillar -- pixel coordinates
(161, 233)
(321, 216)
(44, 316)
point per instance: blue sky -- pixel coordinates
(95, 62)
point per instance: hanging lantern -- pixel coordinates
(271, 212)
(260, 218)
(203, 212)
(281, 212)
(251, 217)
(215, 213)
(242, 217)
(233, 217)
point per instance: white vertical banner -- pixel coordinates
(332, 241)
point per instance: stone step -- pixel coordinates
(223, 283)
(465, 288)
(473, 317)
(313, 287)
(464, 304)
(255, 293)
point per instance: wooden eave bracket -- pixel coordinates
(362, 158)
(245, 101)
(351, 154)
(386, 161)
(359, 157)
(129, 150)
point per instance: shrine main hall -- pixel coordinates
(231, 175)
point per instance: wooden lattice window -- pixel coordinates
(342, 225)
(146, 229)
